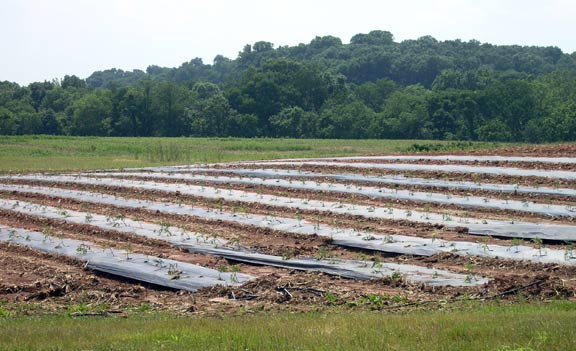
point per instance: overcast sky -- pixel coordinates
(46, 39)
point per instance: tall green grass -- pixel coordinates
(493, 327)
(56, 153)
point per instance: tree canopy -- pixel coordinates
(373, 87)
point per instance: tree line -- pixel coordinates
(372, 87)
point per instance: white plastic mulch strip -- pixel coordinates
(355, 269)
(384, 179)
(399, 244)
(526, 230)
(508, 171)
(374, 192)
(519, 159)
(154, 270)
(195, 242)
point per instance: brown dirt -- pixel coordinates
(550, 150)
(511, 164)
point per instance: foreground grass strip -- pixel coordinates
(493, 327)
(400, 244)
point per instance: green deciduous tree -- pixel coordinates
(405, 115)
(8, 123)
(91, 114)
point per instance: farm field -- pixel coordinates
(56, 153)
(451, 230)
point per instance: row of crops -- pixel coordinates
(265, 211)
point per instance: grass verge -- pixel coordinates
(58, 153)
(540, 326)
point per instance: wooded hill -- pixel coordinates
(372, 87)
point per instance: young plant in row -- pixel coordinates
(82, 249)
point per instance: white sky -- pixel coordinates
(46, 39)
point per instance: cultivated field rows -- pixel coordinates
(154, 270)
(452, 168)
(478, 226)
(369, 191)
(457, 158)
(395, 180)
(309, 215)
(199, 243)
(397, 244)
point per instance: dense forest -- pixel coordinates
(372, 87)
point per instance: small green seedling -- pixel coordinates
(173, 271)
(516, 242)
(539, 245)
(470, 276)
(82, 249)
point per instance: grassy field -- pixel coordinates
(56, 153)
(489, 327)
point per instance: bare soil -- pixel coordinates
(495, 163)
